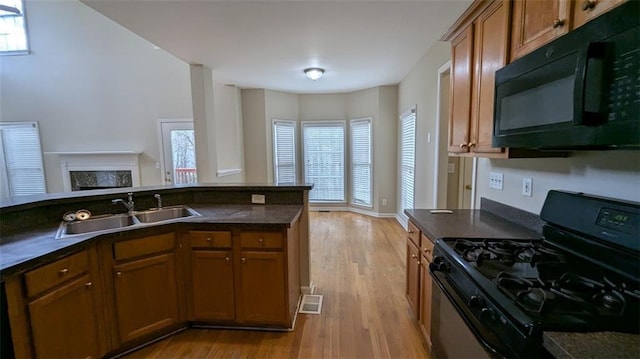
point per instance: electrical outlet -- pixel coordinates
(495, 180)
(527, 186)
(257, 198)
(384, 201)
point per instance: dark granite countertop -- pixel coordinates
(466, 223)
(592, 345)
(20, 252)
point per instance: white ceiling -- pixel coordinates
(268, 43)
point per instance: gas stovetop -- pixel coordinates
(556, 289)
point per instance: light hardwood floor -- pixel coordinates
(358, 265)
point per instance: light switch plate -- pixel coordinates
(527, 186)
(257, 198)
(495, 180)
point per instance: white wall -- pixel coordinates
(420, 88)
(613, 174)
(254, 135)
(92, 85)
(228, 131)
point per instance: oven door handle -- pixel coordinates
(458, 303)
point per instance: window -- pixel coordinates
(407, 158)
(361, 162)
(21, 159)
(284, 151)
(13, 28)
(324, 160)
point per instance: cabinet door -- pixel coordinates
(413, 277)
(212, 273)
(585, 10)
(64, 322)
(425, 299)
(261, 299)
(145, 294)
(460, 102)
(536, 22)
(490, 54)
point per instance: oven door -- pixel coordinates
(455, 332)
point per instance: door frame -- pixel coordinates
(161, 144)
(441, 156)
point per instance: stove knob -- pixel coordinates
(444, 267)
(439, 265)
(488, 314)
(475, 302)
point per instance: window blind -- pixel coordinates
(284, 151)
(22, 158)
(324, 160)
(407, 159)
(361, 162)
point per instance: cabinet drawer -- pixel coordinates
(413, 233)
(49, 276)
(427, 248)
(261, 240)
(144, 246)
(210, 239)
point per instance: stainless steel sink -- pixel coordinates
(114, 221)
(95, 224)
(165, 214)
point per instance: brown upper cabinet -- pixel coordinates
(536, 22)
(488, 35)
(585, 10)
(479, 47)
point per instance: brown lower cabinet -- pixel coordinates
(59, 315)
(419, 283)
(128, 288)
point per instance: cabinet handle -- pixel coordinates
(414, 256)
(64, 271)
(427, 250)
(463, 145)
(119, 274)
(557, 23)
(410, 232)
(208, 240)
(261, 241)
(243, 260)
(226, 259)
(471, 145)
(588, 5)
(88, 284)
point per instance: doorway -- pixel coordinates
(453, 176)
(177, 146)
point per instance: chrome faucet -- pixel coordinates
(128, 204)
(159, 198)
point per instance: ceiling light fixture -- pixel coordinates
(314, 73)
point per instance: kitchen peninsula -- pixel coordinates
(235, 264)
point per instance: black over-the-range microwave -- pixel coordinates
(580, 91)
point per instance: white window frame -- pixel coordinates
(335, 123)
(7, 9)
(407, 165)
(276, 163)
(368, 202)
(9, 188)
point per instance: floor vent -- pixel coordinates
(311, 304)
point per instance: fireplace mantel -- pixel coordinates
(98, 161)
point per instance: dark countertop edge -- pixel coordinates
(80, 242)
(567, 345)
(25, 202)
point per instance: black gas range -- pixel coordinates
(582, 275)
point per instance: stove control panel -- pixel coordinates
(618, 220)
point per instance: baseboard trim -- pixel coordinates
(354, 210)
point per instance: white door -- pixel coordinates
(178, 152)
